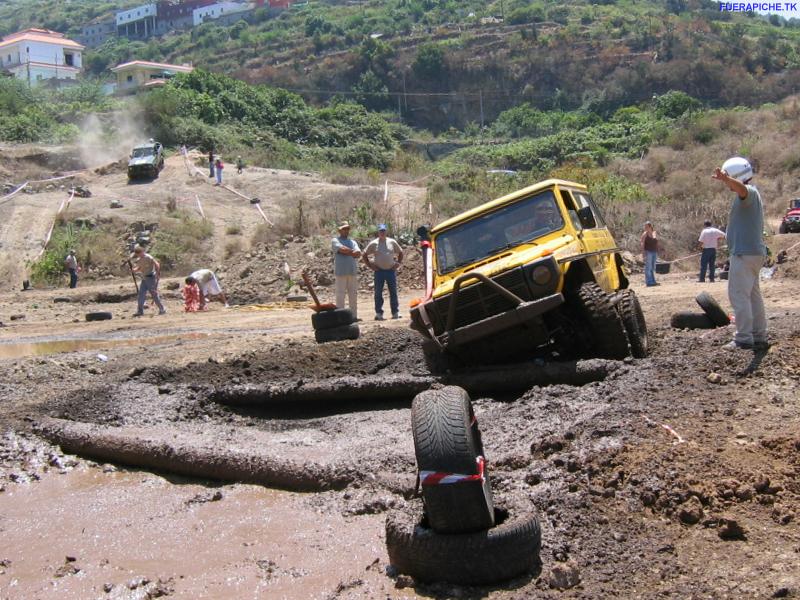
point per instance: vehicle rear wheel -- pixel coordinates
(509, 549)
(712, 308)
(782, 228)
(633, 319)
(449, 452)
(605, 325)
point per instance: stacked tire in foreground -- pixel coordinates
(334, 325)
(457, 534)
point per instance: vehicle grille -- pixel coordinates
(479, 301)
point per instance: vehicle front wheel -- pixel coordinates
(604, 323)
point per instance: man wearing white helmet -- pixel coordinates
(747, 250)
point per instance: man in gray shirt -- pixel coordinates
(345, 267)
(388, 256)
(746, 250)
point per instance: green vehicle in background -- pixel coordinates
(146, 161)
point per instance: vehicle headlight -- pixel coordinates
(541, 275)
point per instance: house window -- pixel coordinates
(130, 78)
(39, 77)
(69, 60)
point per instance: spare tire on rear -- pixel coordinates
(690, 320)
(337, 334)
(327, 319)
(712, 309)
(451, 462)
(98, 316)
(509, 549)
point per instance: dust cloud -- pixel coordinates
(108, 138)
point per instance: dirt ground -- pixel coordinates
(674, 476)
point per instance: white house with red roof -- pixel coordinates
(141, 74)
(37, 55)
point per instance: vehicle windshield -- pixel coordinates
(506, 227)
(795, 203)
(140, 152)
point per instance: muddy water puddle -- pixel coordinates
(79, 534)
(40, 348)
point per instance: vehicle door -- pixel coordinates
(598, 243)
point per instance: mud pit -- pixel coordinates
(706, 508)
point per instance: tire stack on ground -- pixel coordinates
(334, 325)
(712, 316)
(457, 534)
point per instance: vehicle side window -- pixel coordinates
(572, 209)
(584, 200)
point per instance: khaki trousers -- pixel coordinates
(349, 284)
(745, 296)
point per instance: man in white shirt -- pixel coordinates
(71, 264)
(708, 240)
(388, 257)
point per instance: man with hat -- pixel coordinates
(388, 256)
(345, 267)
(746, 250)
(71, 264)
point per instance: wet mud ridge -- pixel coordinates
(639, 473)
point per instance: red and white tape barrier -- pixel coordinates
(441, 478)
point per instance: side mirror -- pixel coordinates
(586, 217)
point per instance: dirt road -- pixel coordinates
(676, 476)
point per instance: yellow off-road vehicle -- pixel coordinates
(534, 272)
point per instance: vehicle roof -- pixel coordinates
(487, 206)
(145, 145)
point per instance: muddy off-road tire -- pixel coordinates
(712, 309)
(98, 316)
(328, 319)
(447, 440)
(509, 549)
(690, 320)
(604, 323)
(633, 319)
(337, 334)
(782, 228)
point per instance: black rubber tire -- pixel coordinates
(98, 316)
(712, 309)
(507, 550)
(438, 361)
(337, 334)
(328, 319)
(447, 439)
(690, 320)
(633, 320)
(604, 323)
(724, 275)
(782, 228)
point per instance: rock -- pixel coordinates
(17, 317)
(730, 530)
(714, 378)
(564, 576)
(107, 587)
(172, 285)
(59, 299)
(296, 298)
(745, 493)
(691, 511)
(245, 273)
(115, 204)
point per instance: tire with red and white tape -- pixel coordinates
(509, 549)
(451, 462)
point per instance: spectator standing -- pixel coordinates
(219, 167)
(708, 240)
(209, 287)
(388, 258)
(239, 165)
(649, 243)
(746, 250)
(345, 268)
(211, 163)
(150, 271)
(71, 264)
